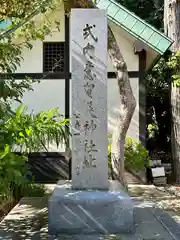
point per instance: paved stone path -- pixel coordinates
(131, 179)
(157, 217)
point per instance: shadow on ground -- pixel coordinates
(158, 195)
(29, 220)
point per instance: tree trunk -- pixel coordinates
(127, 101)
(175, 131)
(127, 107)
(172, 22)
(172, 29)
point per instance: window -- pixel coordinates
(53, 58)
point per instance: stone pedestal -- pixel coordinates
(89, 211)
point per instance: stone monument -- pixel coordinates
(89, 99)
(90, 203)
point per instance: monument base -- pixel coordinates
(90, 211)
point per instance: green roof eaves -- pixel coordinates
(133, 24)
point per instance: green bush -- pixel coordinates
(34, 190)
(12, 173)
(135, 155)
(24, 133)
(35, 132)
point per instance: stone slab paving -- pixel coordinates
(131, 179)
(28, 220)
(148, 226)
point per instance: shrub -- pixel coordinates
(26, 133)
(12, 173)
(35, 132)
(135, 155)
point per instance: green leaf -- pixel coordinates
(6, 151)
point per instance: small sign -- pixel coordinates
(158, 172)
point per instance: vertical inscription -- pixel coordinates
(89, 53)
(89, 98)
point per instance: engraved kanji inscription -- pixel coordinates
(89, 162)
(89, 57)
(77, 170)
(91, 110)
(77, 125)
(88, 88)
(89, 67)
(90, 147)
(89, 49)
(89, 126)
(87, 31)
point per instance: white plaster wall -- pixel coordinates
(33, 59)
(126, 44)
(114, 107)
(47, 94)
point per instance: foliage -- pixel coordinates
(174, 65)
(12, 172)
(18, 8)
(158, 106)
(33, 190)
(152, 130)
(158, 80)
(24, 28)
(26, 133)
(11, 90)
(151, 10)
(35, 132)
(135, 155)
(19, 130)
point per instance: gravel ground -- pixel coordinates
(173, 190)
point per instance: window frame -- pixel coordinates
(44, 57)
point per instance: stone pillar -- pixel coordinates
(88, 49)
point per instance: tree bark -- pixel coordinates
(175, 131)
(172, 29)
(127, 107)
(172, 22)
